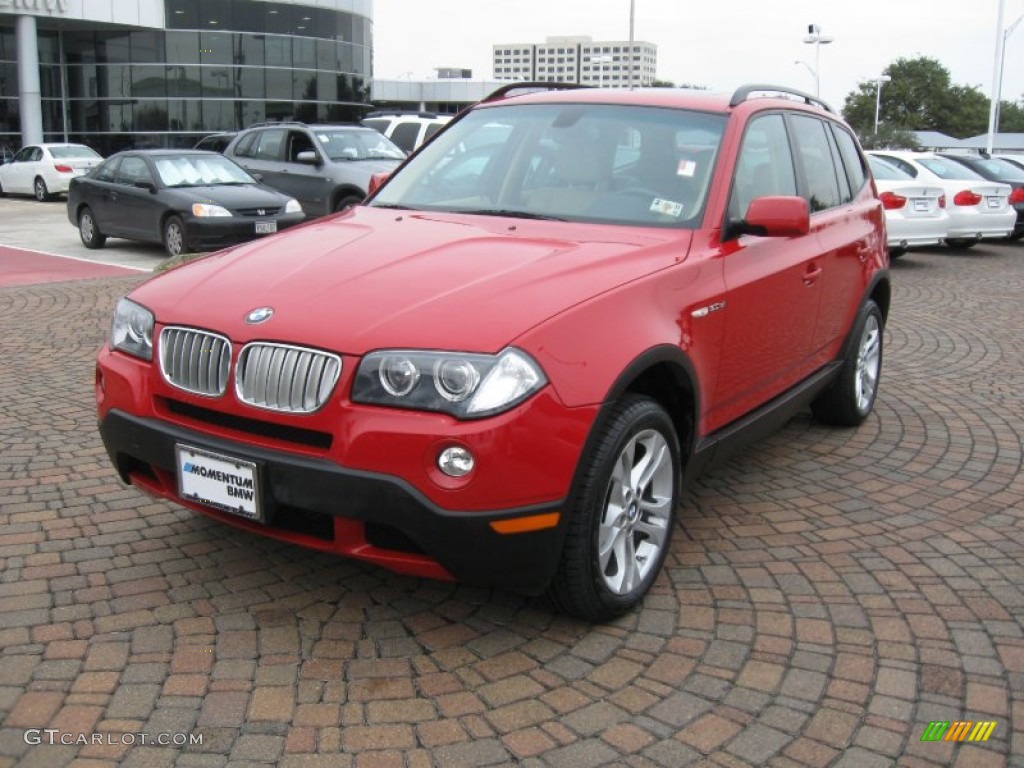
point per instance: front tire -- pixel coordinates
(89, 231)
(39, 189)
(174, 236)
(852, 397)
(346, 202)
(963, 243)
(622, 517)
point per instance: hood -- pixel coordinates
(373, 278)
(347, 170)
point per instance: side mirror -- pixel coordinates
(780, 216)
(376, 182)
(308, 157)
(147, 185)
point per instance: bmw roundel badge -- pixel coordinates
(259, 315)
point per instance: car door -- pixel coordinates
(97, 192)
(844, 220)
(771, 284)
(134, 203)
(264, 155)
(306, 182)
(21, 172)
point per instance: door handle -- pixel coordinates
(811, 275)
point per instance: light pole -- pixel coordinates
(994, 127)
(815, 38)
(878, 95)
(809, 68)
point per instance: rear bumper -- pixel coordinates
(379, 518)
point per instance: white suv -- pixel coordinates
(407, 129)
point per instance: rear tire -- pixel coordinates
(963, 243)
(852, 397)
(621, 521)
(895, 253)
(42, 194)
(175, 242)
(89, 231)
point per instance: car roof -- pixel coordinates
(164, 152)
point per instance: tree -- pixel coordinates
(888, 137)
(919, 97)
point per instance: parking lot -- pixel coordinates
(829, 593)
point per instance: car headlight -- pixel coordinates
(465, 385)
(292, 206)
(209, 209)
(132, 330)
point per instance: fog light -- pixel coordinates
(455, 461)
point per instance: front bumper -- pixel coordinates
(215, 232)
(314, 502)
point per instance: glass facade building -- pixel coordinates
(217, 65)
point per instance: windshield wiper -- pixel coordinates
(510, 213)
(391, 206)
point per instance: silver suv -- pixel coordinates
(325, 167)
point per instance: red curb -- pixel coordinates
(19, 266)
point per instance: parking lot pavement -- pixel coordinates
(44, 227)
(829, 593)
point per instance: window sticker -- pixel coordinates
(667, 207)
(686, 168)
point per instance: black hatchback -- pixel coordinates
(997, 169)
(188, 200)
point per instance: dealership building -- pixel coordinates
(119, 73)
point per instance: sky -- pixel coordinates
(720, 44)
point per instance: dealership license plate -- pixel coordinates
(219, 481)
(266, 227)
(921, 205)
(995, 202)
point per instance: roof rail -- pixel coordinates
(529, 87)
(378, 112)
(743, 93)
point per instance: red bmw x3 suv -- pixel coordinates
(503, 366)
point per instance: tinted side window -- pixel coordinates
(405, 135)
(133, 170)
(816, 157)
(268, 146)
(764, 166)
(853, 160)
(298, 141)
(108, 171)
(845, 190)
(246, 146)
(431, 130)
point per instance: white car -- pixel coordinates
(915, 211)
(977, 208)
(407, 129)
(44, 170)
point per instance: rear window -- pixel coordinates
(75, 150)
(883, 170)
(948, 169)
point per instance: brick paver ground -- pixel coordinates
(828, 594)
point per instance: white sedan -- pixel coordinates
(44, 170)
(977, 208)
(915, 211)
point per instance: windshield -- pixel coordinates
(581, 162)
(73, 150)
(200, 170)
(357, 145)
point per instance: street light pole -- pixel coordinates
(878, 95)
(997, 76)
(999, 80)
(815, 37)
(629, 70)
